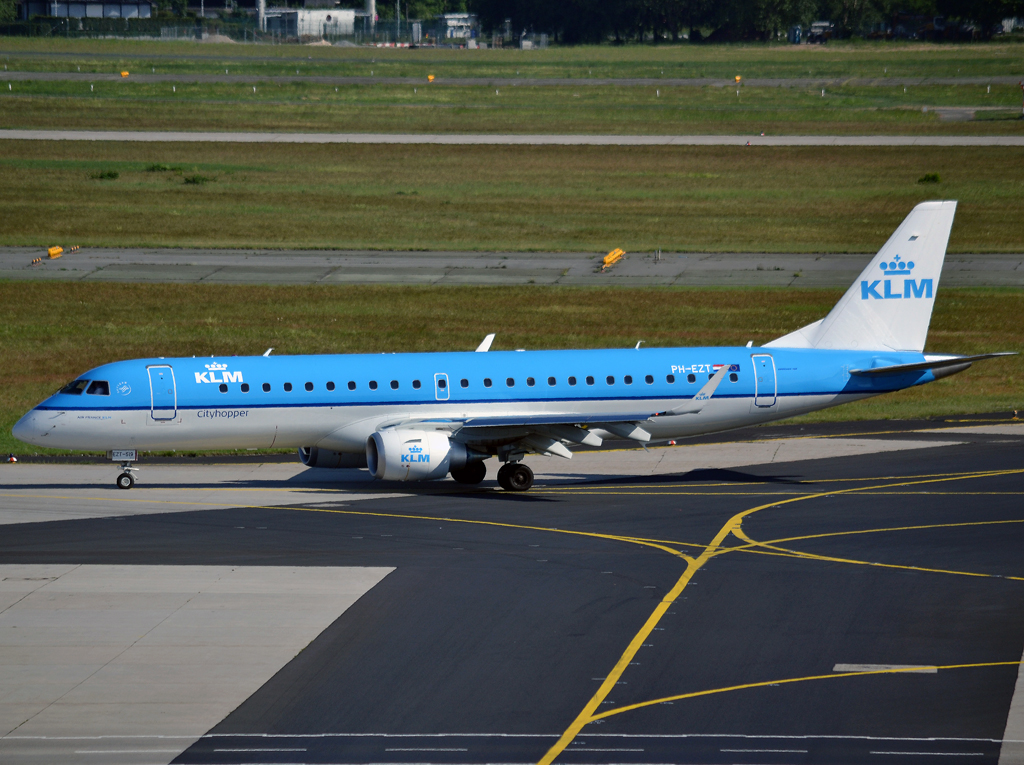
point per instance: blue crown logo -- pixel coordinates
(897, 266)
(415, 449)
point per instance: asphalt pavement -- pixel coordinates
(636, 269)
(868, 608)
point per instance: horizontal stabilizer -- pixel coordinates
(938, 362)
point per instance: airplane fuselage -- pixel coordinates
(337, 401)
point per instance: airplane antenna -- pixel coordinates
(268, 351)
(638, 345)
(485, 344)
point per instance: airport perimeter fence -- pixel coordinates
(153, 29)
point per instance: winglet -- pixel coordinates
(485, 344)
(695, 404)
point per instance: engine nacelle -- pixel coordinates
(312, 456)
(414, 455)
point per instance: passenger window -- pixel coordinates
(266, 387)
(733, 377)
(691, 378)
(572, 381)
(551, 381)
(287, 387)
(351, 384)
(223, 388)
(394, 385)
(628, 380)
(75, 388)
(530, 381)
(373, 385)
(649, 379)
(487, 382)
(245, 387)
(510, 382)
(442, 383)
(610, 380)
(464, 382)
(670, 378)
(330, 385)
(416, 384)
(309, 386)
(99, 388)
(590, 380)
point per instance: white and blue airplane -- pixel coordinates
(423, 416)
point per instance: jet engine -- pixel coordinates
(312, 456)
(415, 455)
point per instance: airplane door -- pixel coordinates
(163, 393)
(441, 386)
(765, 388)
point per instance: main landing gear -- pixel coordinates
(515, 476)
(126, 480)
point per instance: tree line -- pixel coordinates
(586, 21)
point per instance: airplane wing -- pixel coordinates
(549, 433)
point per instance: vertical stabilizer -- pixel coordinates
(890, 305)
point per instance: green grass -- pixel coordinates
(731, 199)
(307, 106)
(749, 60)
(52, 332)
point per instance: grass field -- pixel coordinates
(50, 333)
(752, 60)
(315, 107)
(731, 199)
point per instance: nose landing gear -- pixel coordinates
(126, 480)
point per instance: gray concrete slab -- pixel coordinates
(37, 493)
(1012, 750)
(487, 139)
(397, 267)
(117, 664)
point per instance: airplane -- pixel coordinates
(424, 416)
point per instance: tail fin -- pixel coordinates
(889, 307)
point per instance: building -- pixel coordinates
(138, 9)
(309, 22)
(457, 25)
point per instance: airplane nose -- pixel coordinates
(24, 429)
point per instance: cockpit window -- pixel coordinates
(75, 388)
(99, 388)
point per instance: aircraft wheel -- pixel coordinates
(125, 481)
(515, 476)
(472, 473)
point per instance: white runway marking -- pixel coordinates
(937, 754)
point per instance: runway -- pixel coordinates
(500, 82)
(636, 269)
(857, 598)
(488, 139)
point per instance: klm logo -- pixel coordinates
(211, 376)
(415, 455)
(912, 288)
